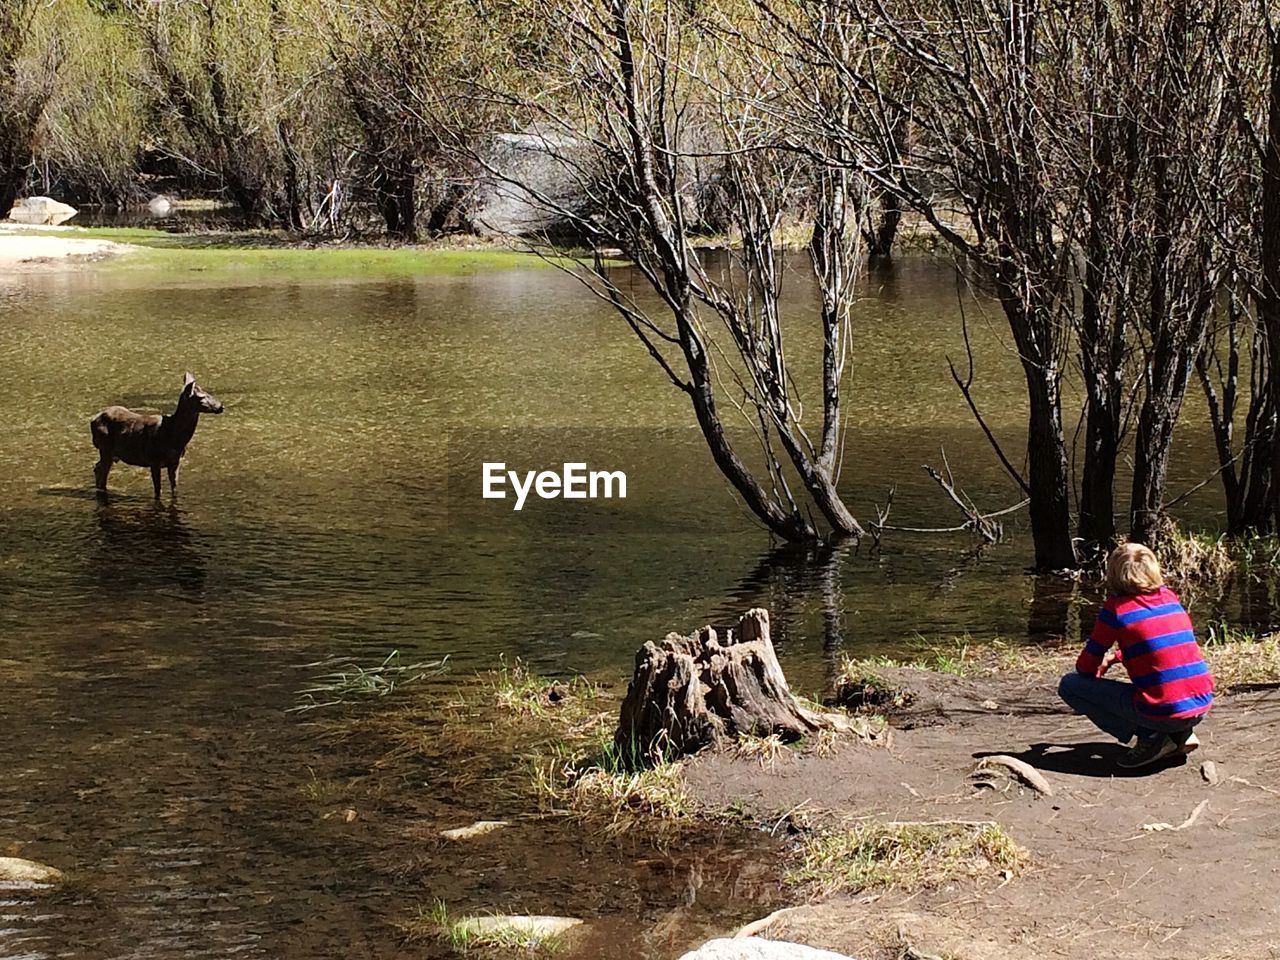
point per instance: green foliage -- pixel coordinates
(96, 121)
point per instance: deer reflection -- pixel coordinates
(145, 547)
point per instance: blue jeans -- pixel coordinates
(1109, 704)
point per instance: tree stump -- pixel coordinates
(690, 692)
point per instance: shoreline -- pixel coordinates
(904, 844)
(24, 250)
(232, 255)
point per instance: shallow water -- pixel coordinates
(150, 652)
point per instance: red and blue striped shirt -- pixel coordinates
(1158, 647)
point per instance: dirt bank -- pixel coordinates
(21, 251)
(1101, 882)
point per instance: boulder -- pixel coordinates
(548, 174)
(159, 207)
(753, 948)
(17, 870)
(41, 211)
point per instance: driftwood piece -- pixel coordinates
(1028, 774)
(1190, 821)
(690, 692)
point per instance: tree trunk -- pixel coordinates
(11, 182)
(789, 525)
(691, 692)
(1102, 342)
(1170, 369)
(885, 230)
(398, 201)
(1047, 460)
(1269, 230)
(1097, 525)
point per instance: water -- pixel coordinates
(150, 652)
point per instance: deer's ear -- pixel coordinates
(188, 380)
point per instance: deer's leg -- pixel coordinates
(173, 478)
(100, 471)
(155, 480)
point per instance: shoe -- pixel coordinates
(1147, 751)
(1186, 741)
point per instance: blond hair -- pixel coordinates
(1133, 569)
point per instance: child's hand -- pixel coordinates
(1109, 660)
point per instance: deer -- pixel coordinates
(150, 439)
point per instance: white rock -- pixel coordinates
(477, 829)
(550, 166)
(753, 948)
(533, 926)
(42, 211)
(17, 870)
(159, 207)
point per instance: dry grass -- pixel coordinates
(862, 685)
(1239, 659)
(1195, 561)
(587, 777)
(765, 751)
(904, 856)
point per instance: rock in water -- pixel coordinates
(159, 207)
(751, 948)
(477, 829)
(689, 692)
(41, 211)
(17, 870)
(538, 928)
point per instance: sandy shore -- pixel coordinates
(21, 251)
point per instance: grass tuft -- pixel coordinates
(516, 690)
(765, 751)
(1195, 560)
(352, 682)
(592, 779)
(861, 687)
(904, 856)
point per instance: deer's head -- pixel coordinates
(195, 397)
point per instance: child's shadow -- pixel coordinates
(1085, 759)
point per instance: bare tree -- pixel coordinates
(971, 164)
(636, 90)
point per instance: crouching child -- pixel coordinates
(1142, 625)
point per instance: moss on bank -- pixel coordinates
(273, 255)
